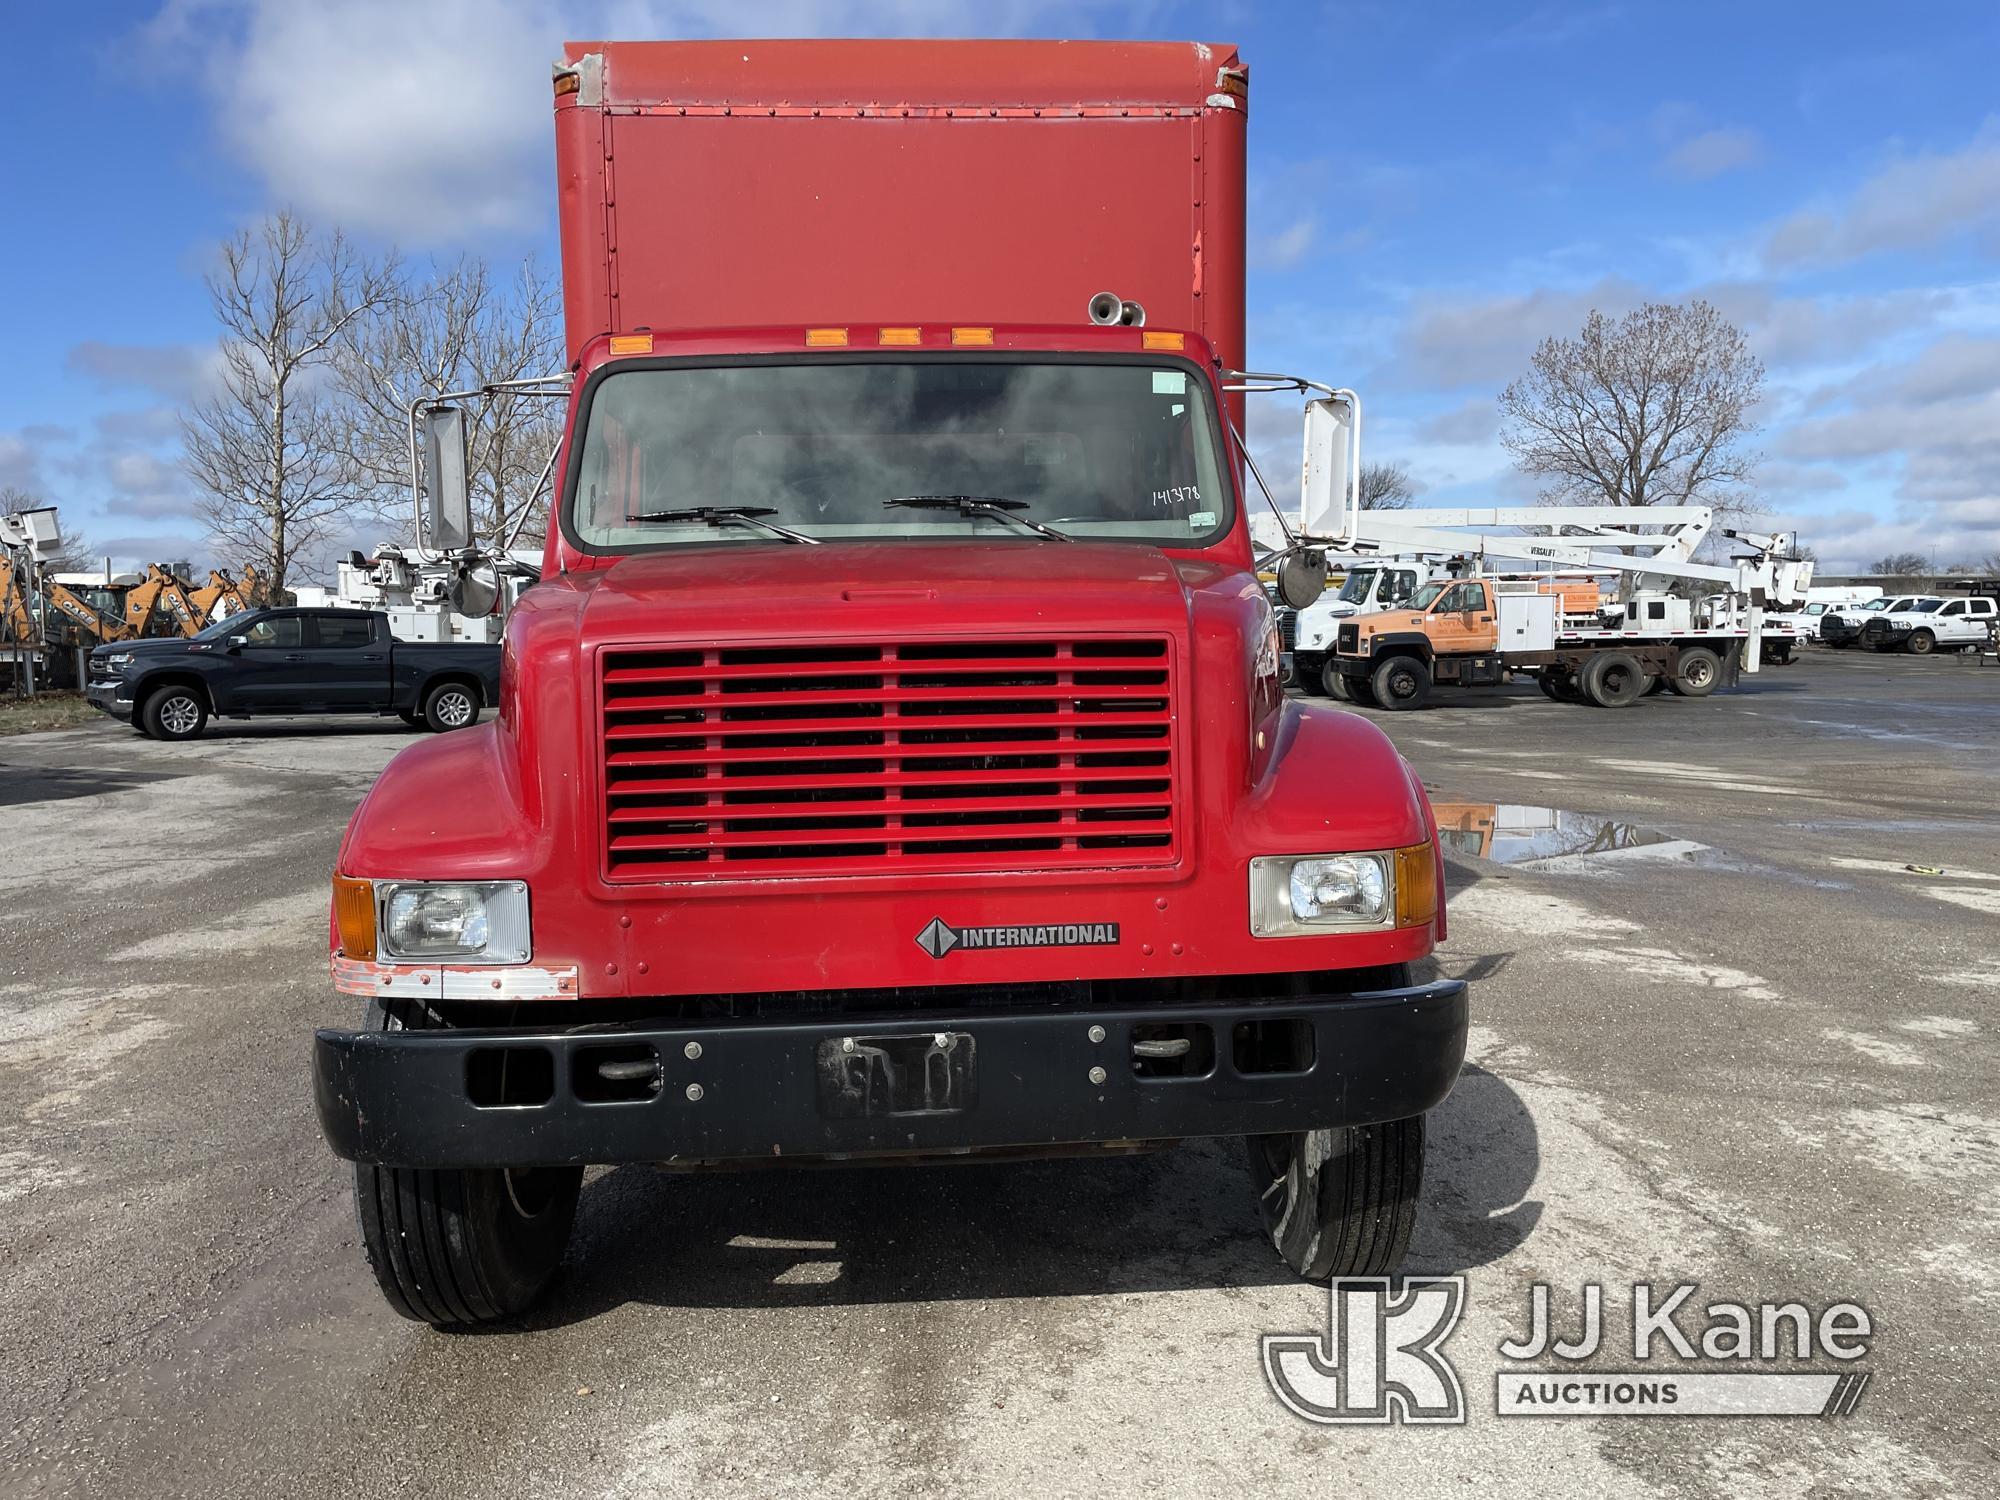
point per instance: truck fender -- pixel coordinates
(1401, 643)
(152, 682)
(1332, 770)
(453, 810)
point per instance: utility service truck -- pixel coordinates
(1472, 629)
(892, 763)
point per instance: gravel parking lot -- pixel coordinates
(1736, 967)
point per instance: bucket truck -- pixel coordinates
(1477, 629)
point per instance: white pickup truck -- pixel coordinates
(1841, 628)
(1929, 623)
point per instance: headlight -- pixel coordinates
(1300, 895)
(116, 659)
(481, 922)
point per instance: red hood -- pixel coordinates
(741, 592)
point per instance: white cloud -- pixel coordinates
(21, 463)
(175, 371)
(1712, 153)
(429, 123)
(1488, 340)
(1914, 202)
(1472, 422)
(1288, 246)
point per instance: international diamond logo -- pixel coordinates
(937, 939)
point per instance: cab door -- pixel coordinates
(263, 675)
(347, 661)
(1462, 620)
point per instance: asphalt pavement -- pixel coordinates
(1736, 967)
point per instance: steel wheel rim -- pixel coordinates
(179, 714)
(1698, 673)
(455, 709)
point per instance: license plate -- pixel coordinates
(913, 1073)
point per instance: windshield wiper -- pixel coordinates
(980, 505)
(731, 515)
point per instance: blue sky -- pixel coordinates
(1434, 189)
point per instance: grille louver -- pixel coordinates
(860, 758)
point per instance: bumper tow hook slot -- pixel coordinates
(626, 1072)
(1173, 1046)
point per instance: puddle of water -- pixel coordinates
(1556, 840)
(1516, 834)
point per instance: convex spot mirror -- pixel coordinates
(1302, 577)
(475, 591)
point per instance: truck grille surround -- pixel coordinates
(1349, 639)
(779, 761)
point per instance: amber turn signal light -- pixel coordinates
(354, 916)
(1416, 885)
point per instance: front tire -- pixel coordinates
(1920, 643)
(175, 713)
(1340, 1202)
(458, 1248)
(451, 705)
(1334, 684)
(1402, 682)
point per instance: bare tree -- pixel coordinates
(1387, 487)
(1650, 409)
(458, 331)
(1901, 565)
(72, 554)
(264, 449)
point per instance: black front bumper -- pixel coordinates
(1836, 632)
(777, 1089)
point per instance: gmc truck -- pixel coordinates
(291, 661)
(892, 763)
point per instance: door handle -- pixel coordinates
(1486, 619)
(294, 658)
(374, 658)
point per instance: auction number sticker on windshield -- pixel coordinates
(1169, 382)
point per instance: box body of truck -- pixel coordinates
(893, 759)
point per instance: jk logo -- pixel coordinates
(1381, 1358)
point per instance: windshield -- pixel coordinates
(215, 630)
(1876, 604)
(1360, 583)
(1426, 596)
(1916, 606)
(1097, 451)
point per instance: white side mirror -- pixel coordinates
(1331, 454)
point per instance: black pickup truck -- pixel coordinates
(291, 661)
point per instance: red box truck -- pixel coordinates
(892, 762)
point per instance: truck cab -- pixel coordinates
(1309, 633)
(1450, 632)
(892, 762)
